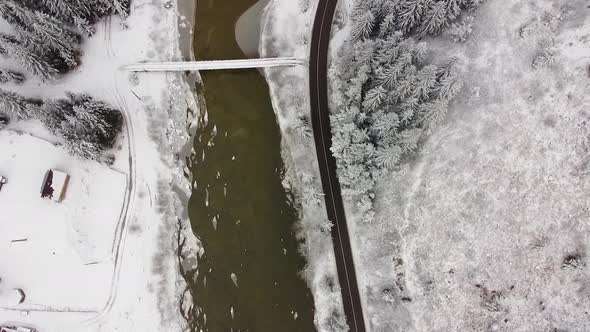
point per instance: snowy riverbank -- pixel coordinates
(286, 31)
(143, 287)
(485, 228)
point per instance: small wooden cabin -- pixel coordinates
(55, 185)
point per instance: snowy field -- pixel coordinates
(68, 243)
(137, 287)
(488, 228)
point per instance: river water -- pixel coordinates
(248, 279)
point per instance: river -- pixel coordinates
(248, 278)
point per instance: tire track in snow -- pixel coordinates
(122, 228)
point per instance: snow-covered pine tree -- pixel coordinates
(387, 25)
(32, 62)
(407, 109)
(388, 77)
(425, 82)
(449, 86)
(411, 13)
(89, 127)
(75, 12)
(9, 76)
(388, 157)
(303, 129)
(66, 9)
(365, 207)
(105, 121)
(122, 7)
(14, 106)
(363, 25)
(435, 19)
(432, 114)
(405, 86)
(373, 98)
(384, 125)
(42, 33)
(408, 139)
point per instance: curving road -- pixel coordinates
(320, 114)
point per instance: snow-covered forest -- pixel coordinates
(480, 221)
(44, 43)
(389, 96)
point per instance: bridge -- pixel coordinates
(214, 64)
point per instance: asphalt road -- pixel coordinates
(320, 114)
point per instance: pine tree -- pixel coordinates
(408, 139)
(432, 114)
(374, 98)
(387, 25)
(385, 124)
(449, 86)
(435, 19)
(303, 129)
(122, 7)
(9, 76)
(411, 13)
(363, 26)
(31, 61)
(14, 106)
(405, 86)
(425, 82)
(41, 32)
(76, 12)
(454, 8)
(388, 157)
(407, 109)
(89, 127)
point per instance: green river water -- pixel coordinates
(248, 278)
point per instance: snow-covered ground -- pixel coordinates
(488, 228)
(286, 31)
(137, 287)
(68, 243)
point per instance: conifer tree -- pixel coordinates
(435, 19)
(9, 76)
(42, 32)
(425, 82)
(32, 62)
(388, 157)
(411, 13)
(14, 106)
(374, 98)
(363, 26)
(432, 114)
(385, 124)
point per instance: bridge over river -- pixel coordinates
(215, 64)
